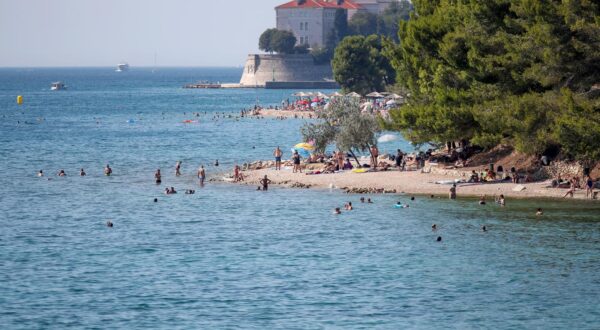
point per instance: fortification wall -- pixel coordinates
(282, 68)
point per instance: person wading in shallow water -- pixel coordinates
(178, 168)
(201, 175)
(265, 183)
(157, 177)
(452, 193)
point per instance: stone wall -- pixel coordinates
(283, 68)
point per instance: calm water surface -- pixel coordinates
(231, 257)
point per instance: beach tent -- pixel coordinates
(387, 138)
(304, 149)
(375, 95)
(354, 94)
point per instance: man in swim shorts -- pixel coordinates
(201, 175)
(277, 153)
(178, 168)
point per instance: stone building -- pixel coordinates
(312, 20)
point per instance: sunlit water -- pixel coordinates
(233, 257)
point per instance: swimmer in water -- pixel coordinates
(265, 183)
(109, 224)
(412, 198)
(439, 239)
(107, 170)
(217, 162)
(501, 201)
(156, 200)
(337, 211)
(82, 172)
(483, 228)
(349, 206)
(172, 191)
(167, 191)
(482, 200)
(539, 212)
(362, 199)
(433, 227)
(157, 176)
(452, 193)
(40, 173)
(62, 173)
(369, 201)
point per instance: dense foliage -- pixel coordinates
(502, 71)
(280, 41)
(384, 24)
(360, 66)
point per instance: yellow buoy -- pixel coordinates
(19, 100)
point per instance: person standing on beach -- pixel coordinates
(201, 175)
(374, 156)
(399, 157)
(296, 161)
(589, 185)
(265, 183)
(340, 160)
(157, 177)
(453, 191)
(277, 153)
(178, 168)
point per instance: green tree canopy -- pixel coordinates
(497, 71)
(280, 41)
(359, 65)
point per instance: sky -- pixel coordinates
(47, 33)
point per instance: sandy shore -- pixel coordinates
(410, 182)
(286, 113)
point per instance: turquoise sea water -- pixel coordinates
(231, 257)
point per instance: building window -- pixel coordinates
(301, 26)
(302, 40)
(306, 26)
(306, 40)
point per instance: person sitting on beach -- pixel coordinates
(62, 173)
(265, 183)
(490, 176)
(337, 211)
(539, 212)
(237, 175)
(474, 177)
(107, 170)
(348, 165)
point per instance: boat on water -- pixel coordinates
(58, 86)
(122, 67)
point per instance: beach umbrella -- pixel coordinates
(353, 94)
(310, 94)
(322, 95)
(387, 138)
(390, 102)
(395, 96)
(375, 95)
(305, 145)
(300, 94)
(336, 94)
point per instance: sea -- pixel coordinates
(231, 257)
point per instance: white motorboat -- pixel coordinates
(58, 86)
(122, 67)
